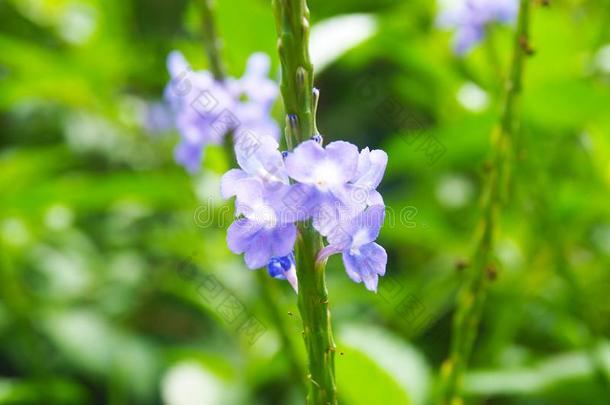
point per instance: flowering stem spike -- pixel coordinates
(472, 296)
(211, 40)
(292, 22)
(297, 79)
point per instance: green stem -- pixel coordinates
(292, 23)
(474, 291)
(211, 40)
(315, 313)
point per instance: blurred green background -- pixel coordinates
(116, 285)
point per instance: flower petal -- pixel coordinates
(345, 156)
(259, 156)
(230, 182)
(366, 264)
(259, 251)
(240, 234)
(371, 166)
(282, 239)
(249, 196)
(358, 230)
(177, 64)
(189, 155)
(295, 202)
(258, 65)
(301, 163)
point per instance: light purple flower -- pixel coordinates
(205, 109)
(196, 101)
(258, 242)
(333, 186)
(255, 94)
(259, 159)
(262, 232)
(260, 186)
(335, 181)
(469, 18)
(364, 260)
(323, 175)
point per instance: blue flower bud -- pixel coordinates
(275, 268)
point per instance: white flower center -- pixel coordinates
(326, 175)
(360, 238)
(264, 215)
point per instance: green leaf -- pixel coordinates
(376, 367)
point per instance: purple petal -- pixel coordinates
(371, 166)
(189, 155)
(345, 156)
(240, 234)
(301, 163)
(326, 252)
(295, 202)
(259, 251)
(258, 65)
(375, 198)
(268, 243)
(366, 264)
(358, 230)
(351, 199)
(259, 156)
(177, 64)
(249, 197)
(230, 182)
(326, 216)
(282, 239)
(466, 37)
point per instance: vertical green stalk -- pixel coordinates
(292, 22)
(211, 40)
(474, 291)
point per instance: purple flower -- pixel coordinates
(470, 17)
(255, 94)
(266, 228)
(205, 110)
(335, 181)
(364, 260)
(333, 186)
(323, 175)
(261, 233)
(259, 159)
(196, 101)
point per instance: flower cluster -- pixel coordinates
(470, 17)
(333, 186)
(206, 110)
